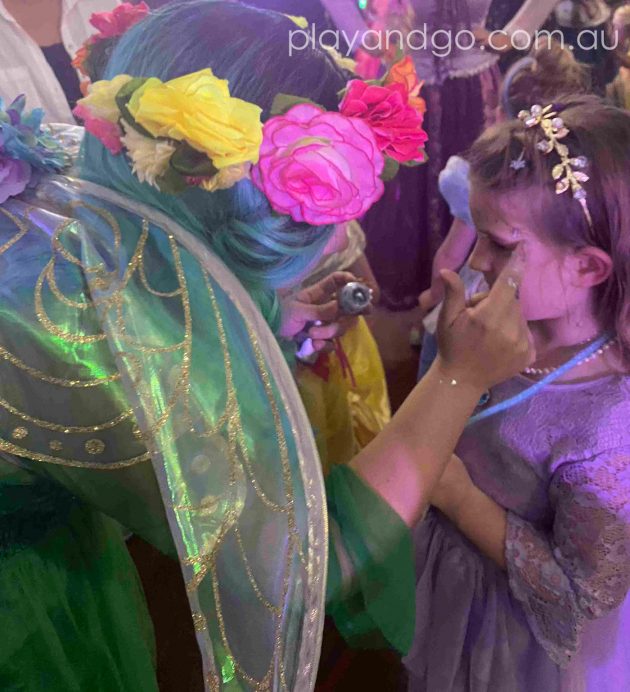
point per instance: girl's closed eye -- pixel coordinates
(497, 243)
(501, 246)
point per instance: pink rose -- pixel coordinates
(14, 177)
(108, 133)
(317, 167)
(397, 125)
(117, 22)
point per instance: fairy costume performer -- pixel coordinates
(106, 305)
(140, 380)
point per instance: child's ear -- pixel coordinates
(591, 267)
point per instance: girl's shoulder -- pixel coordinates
(566, 423)
(594, 418)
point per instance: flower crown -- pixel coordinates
(316, 166)
(25, 148)
(569, 173)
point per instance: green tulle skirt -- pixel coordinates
(72, 612)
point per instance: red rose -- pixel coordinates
(118, 21)
(396, 124)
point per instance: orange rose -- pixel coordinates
(404, 72)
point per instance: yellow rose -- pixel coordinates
(199, 110)
(101, 98)
(150, 157)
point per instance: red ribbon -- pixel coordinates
(321, 367)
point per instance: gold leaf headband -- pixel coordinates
(569, 173)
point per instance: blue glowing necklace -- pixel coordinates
(586, 354)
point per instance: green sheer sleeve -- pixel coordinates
(371, 580)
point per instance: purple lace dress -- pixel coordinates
(559, 619)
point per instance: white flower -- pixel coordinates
(149, 157)
(227, 177)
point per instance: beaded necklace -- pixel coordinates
(602, 344)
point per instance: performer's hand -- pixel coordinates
(489, 342)
(317, 303)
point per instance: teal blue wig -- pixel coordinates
(249, 48)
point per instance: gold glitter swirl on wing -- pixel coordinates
(160, 294)
(22, 230)
(282, 440)
(68, 429)
(265, 682)
(59, 248)
(110, 221)
(237, 452)
(48, 324)
(133, 343)
(49, 273)
(39, 375)
(10, 448)
(276, 610)
(183, 385)
(17, 362)
(235, 426)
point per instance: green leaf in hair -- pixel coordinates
(190, 162)
(391, 170)
(415, 164)
(122, 101)
(284, 102)
(172, 182)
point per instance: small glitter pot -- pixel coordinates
(354, 298)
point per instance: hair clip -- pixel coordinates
(519, 163)
(569, 173)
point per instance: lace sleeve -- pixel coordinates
(581, 569)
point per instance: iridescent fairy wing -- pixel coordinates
(201, 384)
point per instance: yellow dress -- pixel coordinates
(345, 392)
(347, 406)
